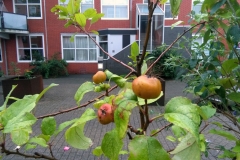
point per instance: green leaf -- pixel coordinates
(146, 148)
(207, 111)
(97, 151)
(45, 90)
(175, 6)
(216, 6)
(218, 124)
(70, 7)
(81, 19)
(181, 112)
(20, 122)
(227, 82)
(206, 37)
(64, 125)
(176, 23)
(207, 4)
(122, 113)
(75, 136)
(96, 17)
(30, 146)
(45, 137)
(111, 145)
(223, 133)
(234, 97)
(39, 141)
(7, 97)
(134, 51)
(18, 109)
(141, 101)
(228, 66)
(90, 13)
(144, 67)
(178, 131)
(84, 88)
(123, 152)
(187, 149)
(236, 149)
(48, 126)
(115, 78)
(121, 120)
(233, 34)
(20, 136)
(171, 138)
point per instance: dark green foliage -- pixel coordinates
(53, 67)
(161, 69)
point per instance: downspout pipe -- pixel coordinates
(45, 28)
(130, 14)
(5, 56)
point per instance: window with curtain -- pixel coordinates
(115, 9)
(168, 13)
(30, 48)
(31, 8)
(82, 49)
(85, 4)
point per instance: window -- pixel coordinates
(196, 46)
(115, 9)
(30, 48)
(31, 8)
(168, 13)
(145, 1)
(85, 4)
(82, 49)
(196, 6)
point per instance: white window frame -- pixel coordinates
(199, 4)
(206, 51)
(63, 4)
(30, 46)
(115, 18)
(80, 35)
(144, 1)
(169, 18)
(28, 5)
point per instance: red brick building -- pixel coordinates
(29, 28)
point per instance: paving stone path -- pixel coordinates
(61, 97)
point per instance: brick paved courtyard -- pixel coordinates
(61, 97)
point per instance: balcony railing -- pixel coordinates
(12, 22)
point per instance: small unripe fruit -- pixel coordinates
(99, 77)
(105, 114)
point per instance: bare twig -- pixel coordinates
(159, 130)
(81, 106)
(149, 68)
(17, 152)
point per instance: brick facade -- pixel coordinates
(52, 28)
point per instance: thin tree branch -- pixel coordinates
(149, 68)
(81, 106)
(159, 130)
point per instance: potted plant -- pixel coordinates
(27, 84)
(160, 69)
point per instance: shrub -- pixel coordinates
(54, 67)
(161, 69)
